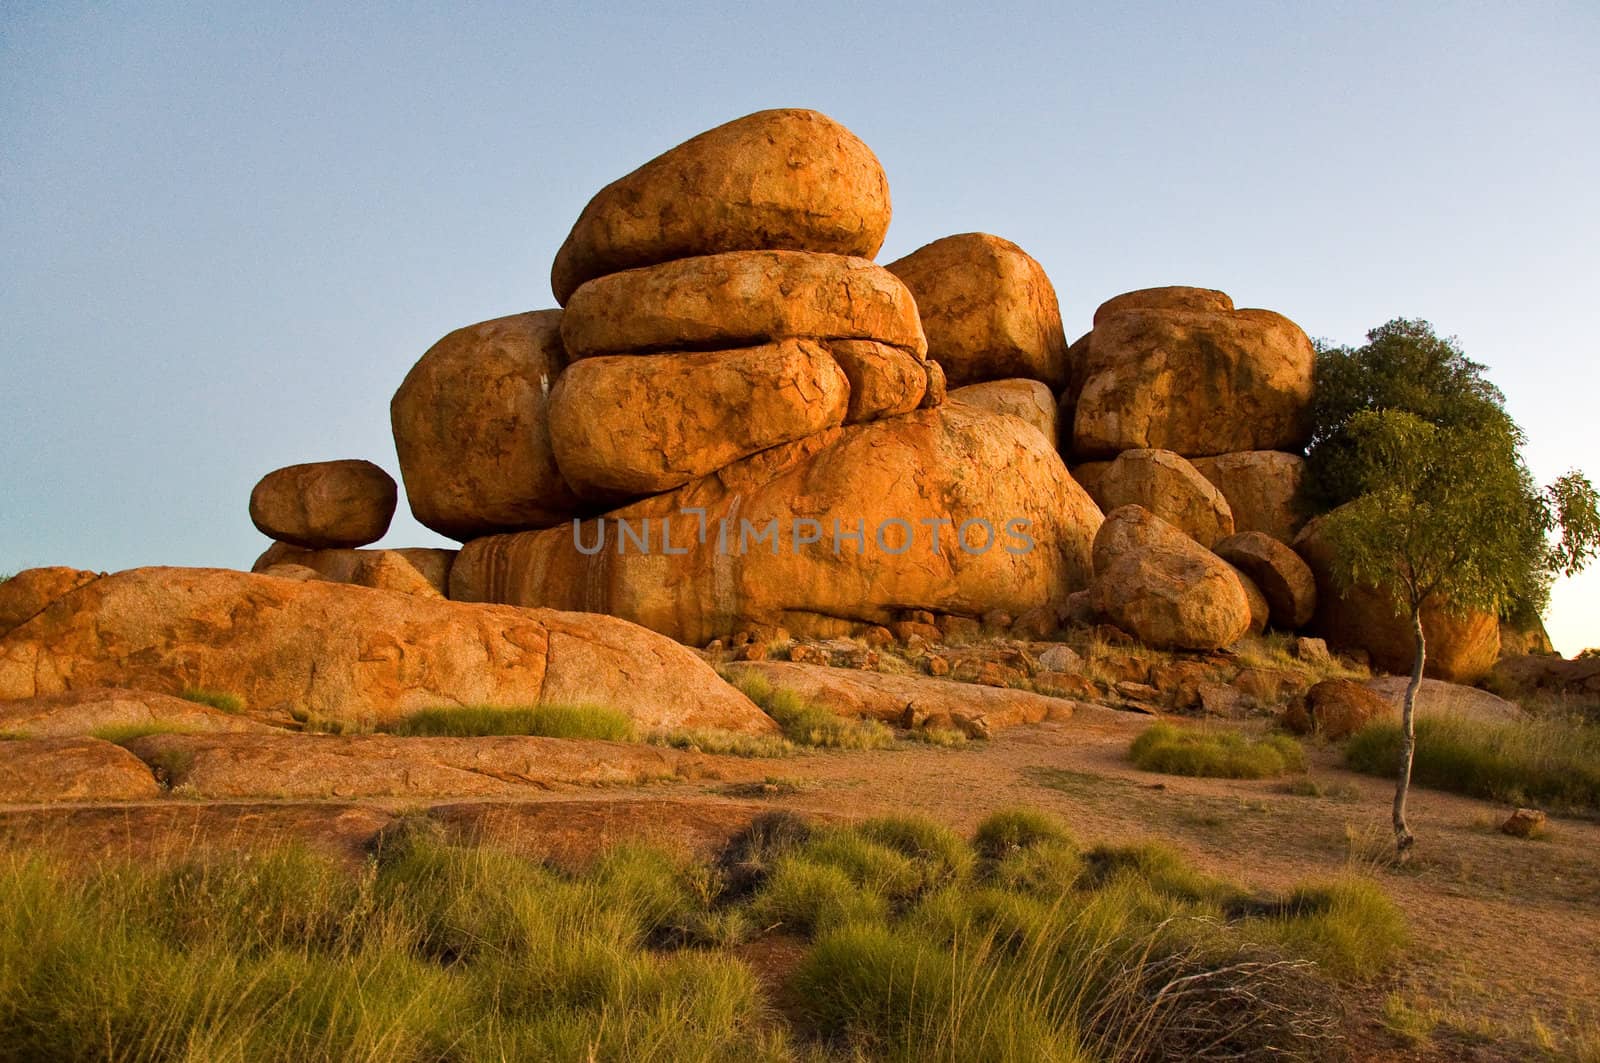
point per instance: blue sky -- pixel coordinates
(230, 230)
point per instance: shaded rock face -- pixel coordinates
(1030, 400)
(354, 654)
(325, 504)
(1153, 581)
(885, 478)
(988, 309)
(1579, 678)
(1260, 609)
(73, 769)
(781, 179)
(342, 566)
(628, 426)
(740, 299)
(1285, 579)
(25, 595)
(80, 712)
(1461, 647)
(1262, 488)
(1195, 383)
(1336, 709)
(1168, 486)
(470, 427)
(1518, 641)
(885, 381)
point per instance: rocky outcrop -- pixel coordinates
(25, 595)
(1438, 698)
(1336, 709)
(341, 566)
(1153, 581)
(345, 653)
(988, 309)
(72, 769)
(740, 299)
(324, 504)
(1168, 486)
(627, 426)
(1285, 579)
(85, 711)
(1029, 400)
(773, 539)
(1262, 488)
(471, 429)
(1462, 646)
(781, 179)
(1578, 678)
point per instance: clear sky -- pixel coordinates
(229, 230)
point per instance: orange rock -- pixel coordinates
(787, 179)
(627, 426)
(1285, 579)
(324, 504)
(917, 469)
(1168, 486)
(740, 299)
(988, 309)
(471, 431)
(340, 566)
(1262, 488)
(885, 381)
(1176, 297)
(388, 570)
(73, 769)
(1336, 709)
(81, 712)
(353, 654)
(25, 595)
(1172, 593)
(1260, 610)
(1029, 400)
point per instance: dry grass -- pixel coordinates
(221, 700)
(1215, 753)
(548, 721)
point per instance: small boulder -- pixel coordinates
(35, 770)
(388, 570)
(885, 381)
(25, 595)
(1060, 658)
(1028, 400)
(1336, 709)
(325, 504)
(1168, 486)
(1282, 575)
(1524, 823)
(339, 566)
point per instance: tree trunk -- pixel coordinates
(1408, 737)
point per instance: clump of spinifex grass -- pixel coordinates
(546, 721)
(806, 723)
(1215, 754)
(221, 700)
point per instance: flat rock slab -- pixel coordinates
(1438, 698)
(82, 712)
(322, 766)
(892, 698)
(36, 770)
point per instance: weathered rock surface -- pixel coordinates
(321, 766)
(1336, 709)
(1195, 383)
(1461, 647)
(81, 712)
(324, 504)
(626, 426)
(1285, 579)
(471, 431)
(388, 570)
(908, 701)
(1030, 400)
(340, 566)
(1438, 698)
(1260, 609)
(1158, 584)
(1520, 641)
(927, 466)
(36, 770)
(1262, 488)
(781, 179)
(885, 381)
(988, 309)
(25, 595)
(740, 299)
(354, 654)
(1168, 486)
(1552, 675)
(1173, 297)
(1090, 475)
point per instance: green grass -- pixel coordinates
(807, 723)
(916, 944)
(546, 721)
(1215, 754)
(1551, 763)
(220, 700)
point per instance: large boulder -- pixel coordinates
(344, 566)
(739, 299)
(25, 595)
(1262, 488)
(470, 429)
(770, 540)
(1030, 400)
(1284, 578)
(72, 769)
(1462, 646)
(1158, 584)
(782, 179)
(988, 309)
(92, 709)
(324, 504)
(1172, 297)
(1195, 383)
(1168, 486)
(627, 426)
(315, 648)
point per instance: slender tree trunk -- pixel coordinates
(1408, 737)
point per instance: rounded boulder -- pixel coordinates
(325, 504)
(1285, 579)
(1171, 488)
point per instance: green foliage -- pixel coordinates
(806, 723)
(1215, 754)
(1554, 763)
(220, 700)
(548, 721)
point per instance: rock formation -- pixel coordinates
(324, 504)
(1168, 486)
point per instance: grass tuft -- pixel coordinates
(220, 700)
(724, 743)
(1215, 754)
(807, 723)
(545, 721)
